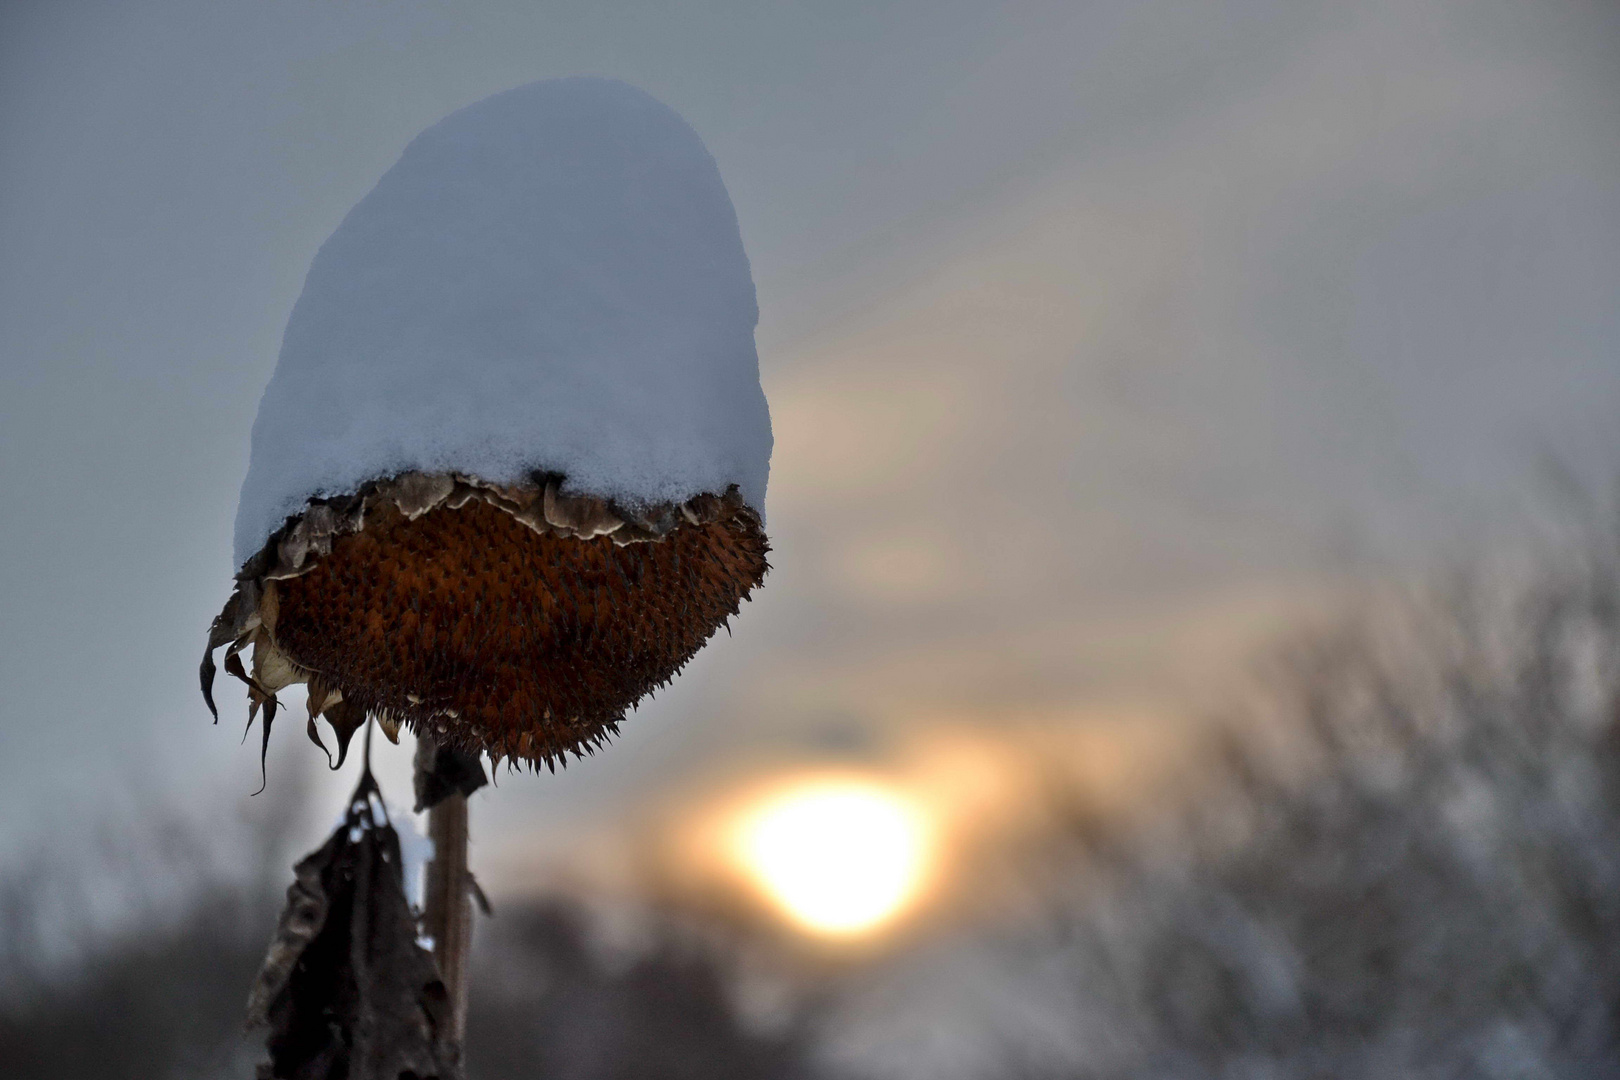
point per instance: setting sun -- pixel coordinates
(838, 856)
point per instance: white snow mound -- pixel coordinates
(551, 279)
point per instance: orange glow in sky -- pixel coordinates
(838, 856)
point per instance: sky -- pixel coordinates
(1100, 339)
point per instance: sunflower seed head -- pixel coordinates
(514, 620)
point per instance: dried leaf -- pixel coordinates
(346, 991)
(454, 772)
(478, 895)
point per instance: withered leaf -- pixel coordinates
(454, 771)
(346, 991)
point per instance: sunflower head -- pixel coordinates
(514, 620)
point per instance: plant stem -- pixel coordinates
(448, 903)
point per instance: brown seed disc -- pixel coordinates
(518, 644)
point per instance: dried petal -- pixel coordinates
(270, 706)
(417, 493)
(345, 719)
(390, 728)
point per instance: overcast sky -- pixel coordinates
(1096, 336)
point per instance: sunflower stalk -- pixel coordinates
(447, 896)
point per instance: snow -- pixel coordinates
(415, 852)
(550, 279)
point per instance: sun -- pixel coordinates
(838, 856)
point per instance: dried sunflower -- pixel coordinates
(516, 621)
(507, 476)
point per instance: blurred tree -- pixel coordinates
(163, 1005)
(553, 1005)
(130, 958)
(156, 990)
(1405, 862)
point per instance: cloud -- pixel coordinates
(1095, 336)
(1118, 426)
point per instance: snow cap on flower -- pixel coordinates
(550, 281)
(508, 476)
